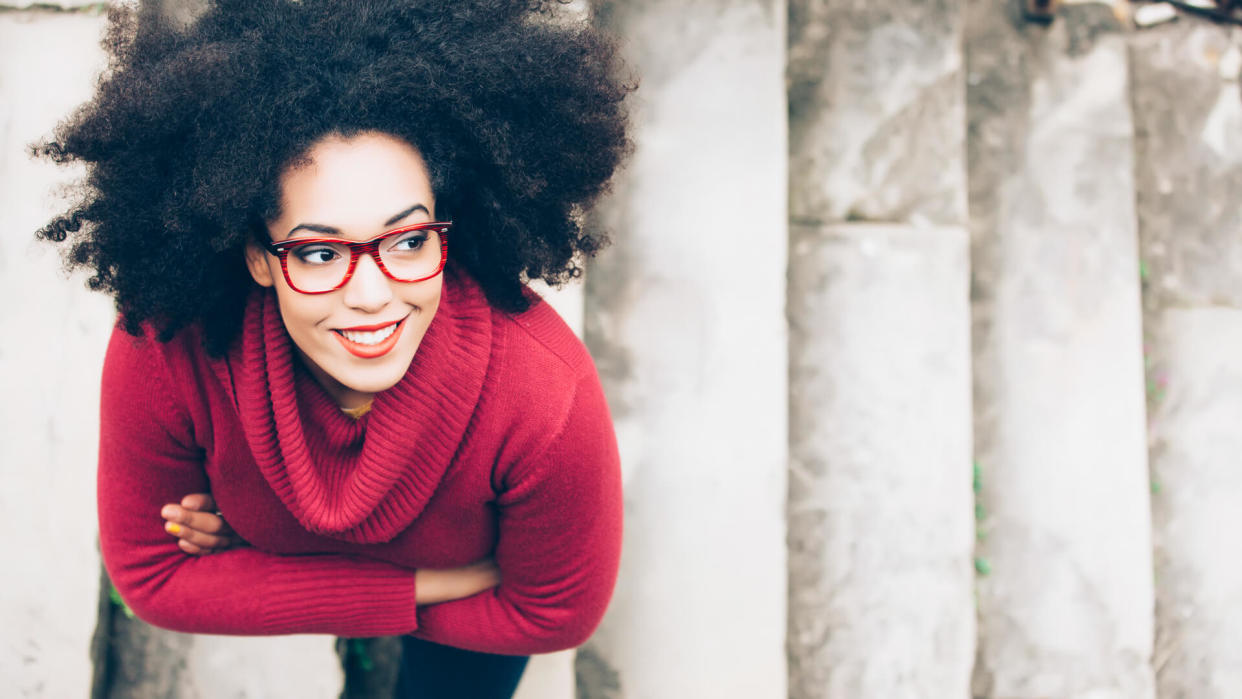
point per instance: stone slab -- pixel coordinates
(1188, 114)
(1197, 468)
(685, 320)
(1059, 410)
(877, 111)
(51, 351)
(1188, 139)
(881, 531)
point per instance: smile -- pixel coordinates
(370, 341)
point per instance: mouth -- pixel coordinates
(370, 341)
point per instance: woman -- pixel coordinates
(317, 219)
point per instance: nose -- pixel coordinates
(368, 290)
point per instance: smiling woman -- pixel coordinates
(317, 219)
(354, 328)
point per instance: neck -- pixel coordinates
(344, 396)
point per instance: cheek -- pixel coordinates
(302, 314)
(425, 297)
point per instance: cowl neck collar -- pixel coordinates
(361, 481)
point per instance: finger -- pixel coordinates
(198, 538)
(207, 522)
(191, 548)
(203, 502)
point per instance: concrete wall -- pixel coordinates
(685, 319)
(880, 527)
(1188, 123)
(1065, 607)
(51, 352)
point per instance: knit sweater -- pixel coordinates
(497, 441)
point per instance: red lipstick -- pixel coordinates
(370, 351)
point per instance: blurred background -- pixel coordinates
(921, 328)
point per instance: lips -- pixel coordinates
(370, 341)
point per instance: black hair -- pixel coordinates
(519, 117)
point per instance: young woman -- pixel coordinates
(317, 219)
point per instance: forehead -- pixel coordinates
(355, 181)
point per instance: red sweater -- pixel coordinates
(497, 441)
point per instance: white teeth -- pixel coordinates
(369, 338)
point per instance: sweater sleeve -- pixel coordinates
(559, 544)
(148, 457)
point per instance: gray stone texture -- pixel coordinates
(1188, 140)
(1197, 468)
(876, 109)
(1066, 610)
(1188, 123)
(880, 530)
(880, 502)
(51, 351)
(685, 320)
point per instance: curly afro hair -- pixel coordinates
(520, 120)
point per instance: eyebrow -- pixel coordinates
(334, 231)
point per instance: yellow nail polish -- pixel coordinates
(173, 528)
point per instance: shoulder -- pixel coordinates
(142, 369)
(144, 351)
(540, 333)
(541, 382)
(563, 433)
(146, 355)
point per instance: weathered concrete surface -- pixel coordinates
(51, 353)
(1188, 122)
(51, 350)
(880, 502)
(684, 318)
(876, 108)
(880, 528)
(1197, 464)
(1059, 412)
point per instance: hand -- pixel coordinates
(200, 530)
(443, 585)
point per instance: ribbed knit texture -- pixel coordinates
(361, 481)
(496, 443)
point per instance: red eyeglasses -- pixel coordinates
(322, 265)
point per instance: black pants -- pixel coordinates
(432, 671)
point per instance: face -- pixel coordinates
(360, 339)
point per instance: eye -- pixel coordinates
(409, 242)
(315, 254)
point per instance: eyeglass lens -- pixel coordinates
(407, 256)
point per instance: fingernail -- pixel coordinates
(172, 528)
(170, 512)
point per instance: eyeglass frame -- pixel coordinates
(371, 246)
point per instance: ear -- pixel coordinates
(257, 263)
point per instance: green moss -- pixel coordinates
(117, 601)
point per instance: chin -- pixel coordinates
(373, 386)
(374, 379)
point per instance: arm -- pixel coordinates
(148, 457)
(559, 545)
(200, 531)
